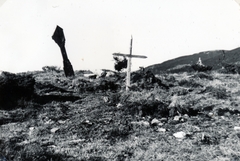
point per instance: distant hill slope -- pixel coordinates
(210, 58)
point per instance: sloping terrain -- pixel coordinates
(189, 116)
(215, 59)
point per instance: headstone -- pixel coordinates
(59, 38)
(200, 62)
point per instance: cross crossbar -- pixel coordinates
(128, 55)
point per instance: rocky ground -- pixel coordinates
(188, 116)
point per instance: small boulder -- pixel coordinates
(184, 118)
(236, 128)
(106, 99)
(87, 122)
(210, 114)
(119, 105)
(61, 121)
(155, 121)
(55, 129)
(161, 130)
(180, 135)
(177, 118)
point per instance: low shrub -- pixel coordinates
(231, 68)
(51, 69)
(201, 68)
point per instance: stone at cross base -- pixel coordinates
(59, 38)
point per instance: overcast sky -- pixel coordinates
(94, 29)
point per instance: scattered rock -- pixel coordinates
(177, 118)
(145, 123)
(161, 130)
(223, 117)
(53, 130)
(105, 99)
(197, 128)
(47, 143)
(74, 142)
(49, 121)
(91, 76)
(61, 122)
(236, 128)
(164, 119)
(155, 122)
(31, 128)
(179, 135)
(87, 122)
(141, 123)
(210, 114)
(119, 105)
(185, 116)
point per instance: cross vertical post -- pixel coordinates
(129, 67)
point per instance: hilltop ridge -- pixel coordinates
(215, 58)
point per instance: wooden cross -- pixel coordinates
(130, 56)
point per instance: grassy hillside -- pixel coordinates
(196, 118)
(210, 58)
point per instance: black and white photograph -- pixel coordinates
(119, 80)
